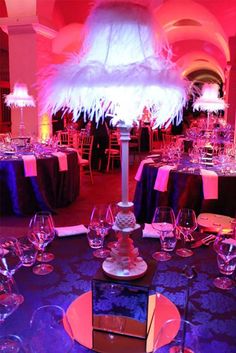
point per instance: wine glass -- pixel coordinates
(164, 223)
(41, 233)
(9, 300)
(42, 255)
(50, 330)
(9, 257)
(10, 260)
(27, 252)
(114, 209)
(186, 223)
(11, 343)
(177, 336)
(226, 261)
(100, 223)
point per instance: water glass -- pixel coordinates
(27, 252)
(100, 223)
(226, 264)
(9, 257)
(226, 261)
(95, 239)
(164, 223)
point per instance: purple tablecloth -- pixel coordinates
(212, 310)
(48, 190)
(184, 191)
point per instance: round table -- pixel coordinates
(184, 190)
(212, 310)
(50, 189)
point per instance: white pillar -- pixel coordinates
(29, 50)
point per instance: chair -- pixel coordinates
(5, 137)
(113, 151)
(134, 143)
(63, 137)
(85, 147)
(166, 139)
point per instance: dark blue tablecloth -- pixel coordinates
(211, 309)
(184, 191)
(50, 189)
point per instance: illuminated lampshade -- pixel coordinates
(20, 98)
(209, 100)
(122, 68)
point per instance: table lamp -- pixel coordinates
(209, 101)
(121, 68)
(20, 98)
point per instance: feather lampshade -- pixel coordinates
(20, 98)
(121, 69)
(209, 100)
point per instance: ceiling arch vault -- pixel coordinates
(198, 31)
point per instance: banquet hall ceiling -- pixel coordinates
(197, 30)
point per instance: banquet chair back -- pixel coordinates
(63, 137)
(134, 143)
(113, 152)
(167, 139)
(5, 137)
(85, 152)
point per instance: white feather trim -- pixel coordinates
(120, 70)
(209, 100)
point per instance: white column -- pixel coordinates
(29, 49)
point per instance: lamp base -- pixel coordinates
(124, 261)
(115, 270)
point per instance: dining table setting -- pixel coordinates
(37, 176)
(184, 287)
(194, 179)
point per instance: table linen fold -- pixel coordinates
(30, 165)
(149, 231)
(62, 160)
(71, 230)
(140, 168)
(210, 184)
(162, 177)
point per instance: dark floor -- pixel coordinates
(106, 189)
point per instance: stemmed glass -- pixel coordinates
(9, 302)
(42, 255)
(177, 336)
(186, 223)
(41, 232)
(50, 330)
(164, 223)
(10, 261)
(114, 209)
(226, 261)
(100, 222)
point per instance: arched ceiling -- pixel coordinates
(197, 30)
